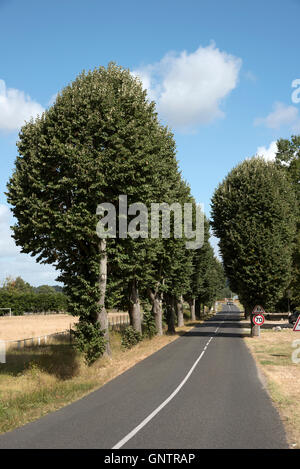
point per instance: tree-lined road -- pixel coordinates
(200, 391)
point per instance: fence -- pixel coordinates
(116, 322)
(39, 340)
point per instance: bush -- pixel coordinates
(21, 303)
(130, 337)
(149, 326)
(89, 340)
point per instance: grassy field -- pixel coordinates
(23, 327)
(273, 354)
(38, 380)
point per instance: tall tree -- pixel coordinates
(100, 139)
(253, 215)
(288, 157)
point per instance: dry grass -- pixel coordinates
(38, 380)
(273, 354)
(24, 327)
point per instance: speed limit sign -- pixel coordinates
(259, 319)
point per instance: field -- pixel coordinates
(25, 327)
(273, 354)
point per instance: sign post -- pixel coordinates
(257, 320)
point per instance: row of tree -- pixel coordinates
(99, 140)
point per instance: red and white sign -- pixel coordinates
(259, 319)
(297, 325)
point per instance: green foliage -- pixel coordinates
(44, 289)
(89, 340)
(253, 212)
(288, 158)
(225, 293)
(207, 279)
(101, 138)
(148, 325)
(21, 303)
(22, 298)
(17, 285)
(130, 337)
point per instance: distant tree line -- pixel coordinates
(22, 298)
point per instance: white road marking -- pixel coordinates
(161, 406)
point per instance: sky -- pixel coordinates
(225, 77)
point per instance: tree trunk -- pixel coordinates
(197, 309)
(155, 299)
(102, 315)
(254, 329)
(192, 302)
(134, 306)
(180, 318)
(171, 314)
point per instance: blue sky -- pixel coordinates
(221, 73)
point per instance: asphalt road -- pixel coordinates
(200, 391)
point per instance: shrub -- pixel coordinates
(89, 340)
(149, 326)
(130, 337)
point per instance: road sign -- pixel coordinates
(259, 319)
(297, 325)
(258, 310)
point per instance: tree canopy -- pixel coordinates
(254, 216)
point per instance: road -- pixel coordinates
(200, 391)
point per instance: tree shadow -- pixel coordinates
(58, 359)
(203, 333)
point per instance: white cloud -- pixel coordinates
(13, 263)
(268, 153)
(281, 115)
(15, 108)
(189, 88)
(251, 76)
(7, 244)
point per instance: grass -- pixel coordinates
(23, 327)
(273, 354)
(39, 380)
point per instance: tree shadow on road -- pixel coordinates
(200, 332)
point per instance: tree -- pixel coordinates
(100, 139)
(133, 263)
(44, 289)
(17, 285)
(207, 277)
(288, 158)
(253, 215)
(214, 280)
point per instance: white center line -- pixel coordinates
(161, 406)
